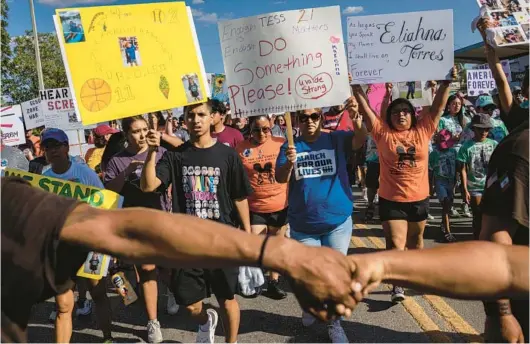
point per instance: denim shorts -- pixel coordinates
(444, 189)
(338, 238)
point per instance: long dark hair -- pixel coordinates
(117, 143)
(126, 123)
(396, 102)
(460, 113)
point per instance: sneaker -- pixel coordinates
(398, 294)
(336, 332)
(454, 212)
(449, 237)
(84, 307)
(53, 316)
(206, 332)
(365, 195)
(430, 217)
(108, 340)
(466, 211)
(376, 199)
(154, 334)
(172, 307)
(308, 319)
(274, 291)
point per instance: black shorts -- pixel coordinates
(372, 175)
(193, 285)
(276, 219)
(410, 211)
(359, 157)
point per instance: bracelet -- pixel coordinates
(262, 251)
(493, 309)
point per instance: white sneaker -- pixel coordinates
(466, 211)
(454, 212)
(308, 319)
(206, 332)
(430, 217)
(86, 309)
(154, 334)
(53, 316)
(172, 307)
(336, 332)
(365, 195)
(376, 199)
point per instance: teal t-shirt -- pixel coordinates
(443, 163)
(476, 156)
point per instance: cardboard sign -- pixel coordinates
(480, 81)
(285, 61)
(505, 68)
(12, 126)
(32, 112)
(511, 20)
(401, 47)
(58, 109)
(131, 59)
(97, 264)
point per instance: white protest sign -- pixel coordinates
(12, 126)
(505, 68)
(59, 110)
(479, 81)
(32, 112)
(401, 47)
(285, 61)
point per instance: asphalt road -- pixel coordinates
(421, 318)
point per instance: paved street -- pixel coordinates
(421, 318)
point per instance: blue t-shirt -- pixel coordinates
(78, 172)
(320, 196)
(131, 52)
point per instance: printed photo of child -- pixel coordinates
(93, 263)
(73, 30)
(526, 30)
(511, 5)
(504, 18)
(410, 90)
(192, 87)
(509, 35)
(130, 53)
(490, 4)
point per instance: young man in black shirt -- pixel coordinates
(209, 181)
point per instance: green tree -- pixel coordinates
(5, 40)
(22, 81)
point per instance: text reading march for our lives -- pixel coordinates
(284, 61)
(403, 47)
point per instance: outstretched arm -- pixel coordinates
(319, 276)
(440, 100)
(364, 107)
(491, 270)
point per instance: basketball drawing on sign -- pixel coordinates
(96, 94)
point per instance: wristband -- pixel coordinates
(493, 309)
(262, 251)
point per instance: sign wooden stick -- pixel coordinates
(289, 125)
(80, 144)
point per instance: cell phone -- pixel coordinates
(151, 125)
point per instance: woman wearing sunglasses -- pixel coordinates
(268, 203)
(403, 144)
(320, 196)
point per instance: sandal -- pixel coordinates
(449, 237)
(369, 213)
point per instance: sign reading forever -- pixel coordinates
(480, 81)
(401, 47)
(285, 61)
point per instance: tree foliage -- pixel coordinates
(21, 82)
(5, 41)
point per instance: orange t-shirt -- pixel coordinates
(260, 164)
(404, 157)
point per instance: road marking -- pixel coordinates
(462, 327)
(357, 242)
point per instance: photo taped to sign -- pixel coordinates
(510, 19)
(284, 61)
(400, 47)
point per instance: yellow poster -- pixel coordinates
(97, 264)
(128, 60)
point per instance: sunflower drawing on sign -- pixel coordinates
(219, 90)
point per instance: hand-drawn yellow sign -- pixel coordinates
(131, 59)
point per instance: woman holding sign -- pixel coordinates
(320, 196)
(403, 145)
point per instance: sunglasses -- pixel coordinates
(315, 117)
(400, 111)
(264, 130)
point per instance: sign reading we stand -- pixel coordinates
(285, 61)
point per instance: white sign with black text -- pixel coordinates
(12, 126)
(480, 81)
(400, 47)
(32, 112)
(59, 110)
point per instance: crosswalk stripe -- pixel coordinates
(357, 242)
(463, 328)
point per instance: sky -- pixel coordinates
(208, 12)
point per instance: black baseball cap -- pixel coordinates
(481, 120)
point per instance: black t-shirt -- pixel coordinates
(36, 165)
(515, 117)
(205, 181)
(35, 265)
